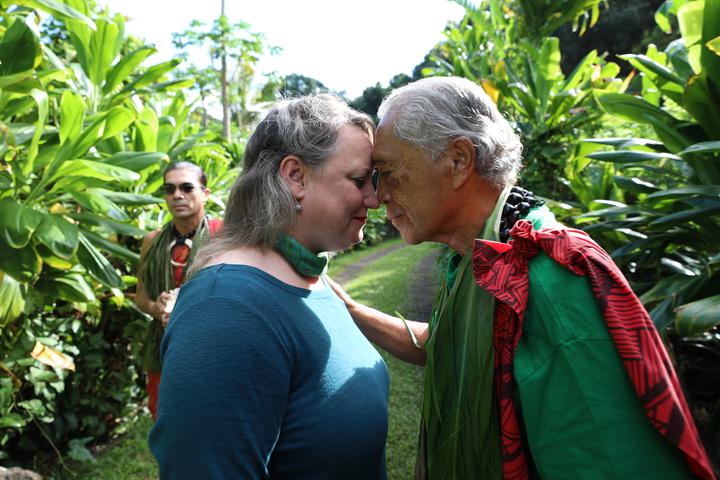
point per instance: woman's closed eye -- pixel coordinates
(359, 181)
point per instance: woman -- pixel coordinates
(264, 373)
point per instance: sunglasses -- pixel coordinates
(169, 188)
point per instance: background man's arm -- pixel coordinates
(386, 331)
(153, 307)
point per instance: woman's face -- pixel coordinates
(338, 196)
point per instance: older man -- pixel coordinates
(165, 255)
(533, 365)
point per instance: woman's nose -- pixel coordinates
(371, 198)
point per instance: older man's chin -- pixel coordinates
(407, 233)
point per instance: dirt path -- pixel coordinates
(424, 288)
(352, 271)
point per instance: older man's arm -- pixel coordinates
(387, 332)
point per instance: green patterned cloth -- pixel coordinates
(459, 433)
(157, 274)
(302, 259)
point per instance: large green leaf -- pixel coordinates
(87, 138)
(117, 121)
(124, 198)
(631, 156)
(17, 222)
(89, 168)
(172, 85)
(579, 71)
(21, 82)
(102, 50)
(41, 98)
(110, 226)
(697, 317)
(12, 300)
(112, 247)
(146, 130)
(153, 74)
(714, 45)
(705, 190)
(137, 161)
(19, 49)
(703, 147)
(662, 18)
(80, 33)
(95, 201)
(690, 20)
(122, 69)
(58, 235)
(57, 9)
(638, 110)
(97, 265)
(72, 115)
(23, 264)
(634, 184)
(678, 58)
(711, 31)
(68, 286)
(702, 100)
(625, 142)
(685, 216)
(663, 78)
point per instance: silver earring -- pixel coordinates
(298, 207)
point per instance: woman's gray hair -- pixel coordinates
(261, 206)
(429, 113)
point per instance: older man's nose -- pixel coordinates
(383, 193)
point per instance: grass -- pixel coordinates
(383, 286)
(127, 457)
(344, 260)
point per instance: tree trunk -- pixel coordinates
(224, 96)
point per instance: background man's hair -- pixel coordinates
(185, 165)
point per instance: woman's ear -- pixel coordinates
(294, 173)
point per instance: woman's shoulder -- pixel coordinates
(233, 281)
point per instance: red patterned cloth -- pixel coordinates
(502, 269)
(153, 381)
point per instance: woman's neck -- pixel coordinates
(271, 262)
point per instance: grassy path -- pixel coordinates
(385, 283)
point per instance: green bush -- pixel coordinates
(85, 131)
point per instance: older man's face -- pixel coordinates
(412, 187)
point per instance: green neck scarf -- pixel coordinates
(459, 434)
(303, 260)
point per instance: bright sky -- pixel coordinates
(347, 45)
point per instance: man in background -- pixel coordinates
(165, 255)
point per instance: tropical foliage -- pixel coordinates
(84, 138)
(670, 223)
